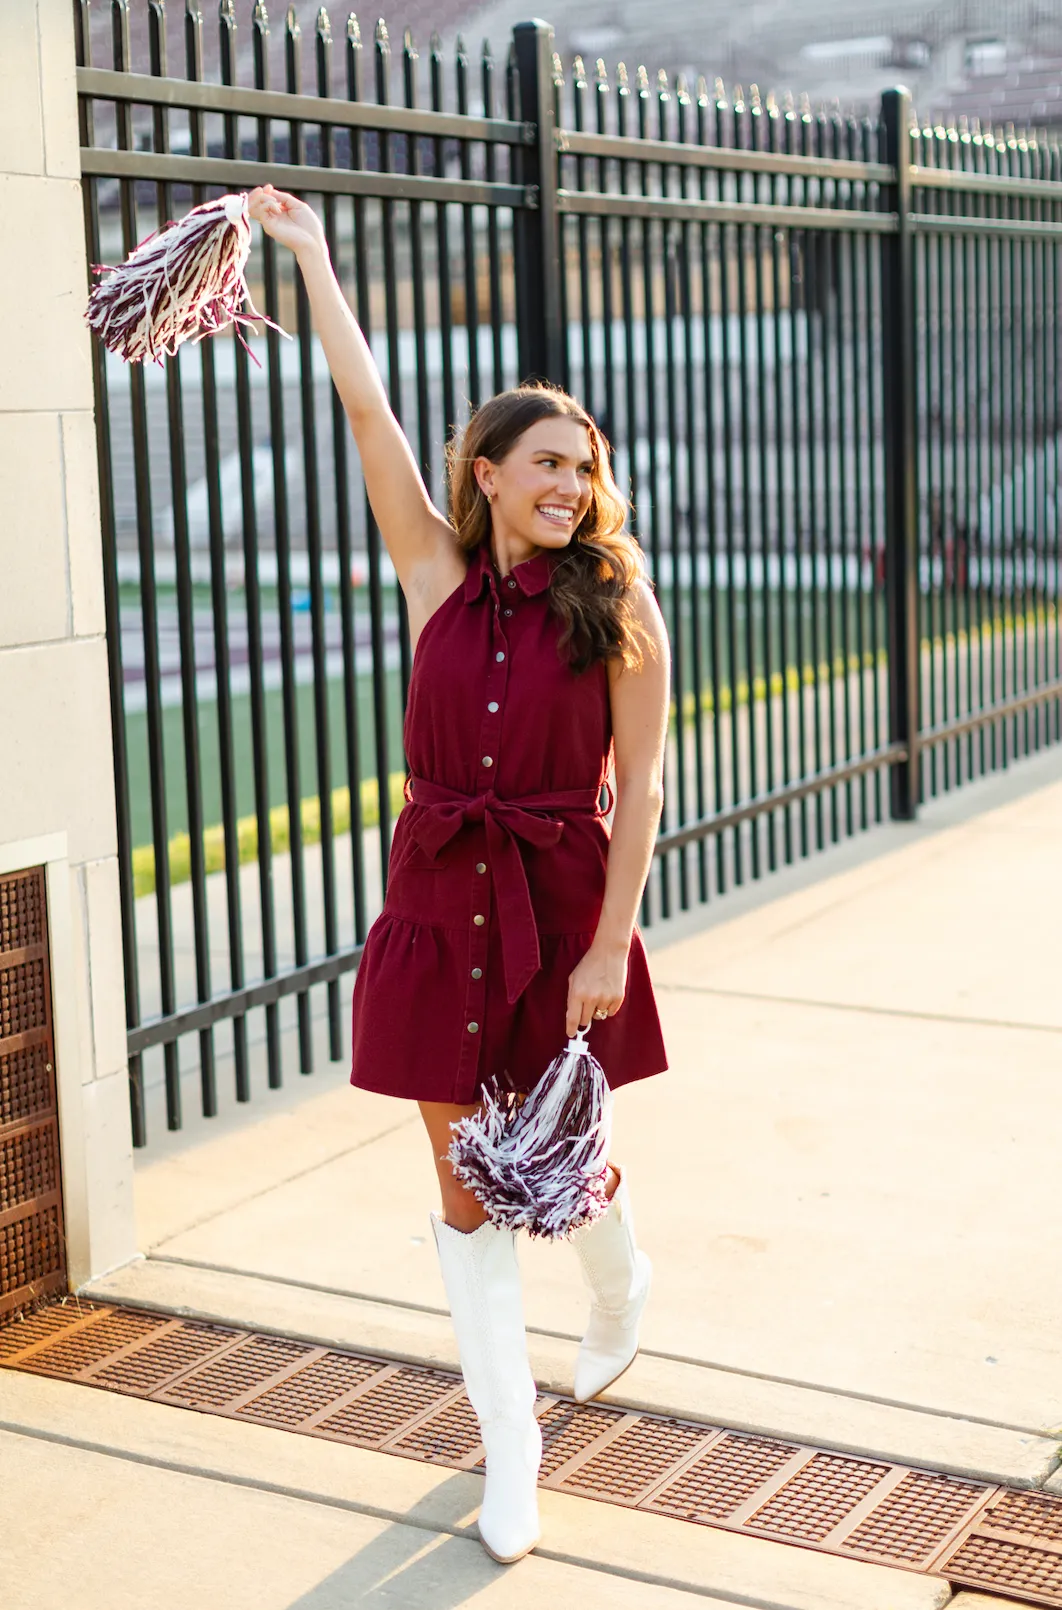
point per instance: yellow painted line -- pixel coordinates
(791, 680)
(279, 833)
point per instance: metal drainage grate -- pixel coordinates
(32, 1244)
(971, 1533)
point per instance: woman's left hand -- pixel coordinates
(597, 984)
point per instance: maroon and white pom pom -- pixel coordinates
(181, 283)
(540, 1164)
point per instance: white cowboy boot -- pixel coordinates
(619, 1276)
(482, 1282)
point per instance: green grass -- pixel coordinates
(729, 696)
(279, 832)
(243, 752)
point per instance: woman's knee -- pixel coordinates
(461, 1210)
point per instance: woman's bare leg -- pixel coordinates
(461, 1209)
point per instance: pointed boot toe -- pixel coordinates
(618, 1276)
(610, 1345)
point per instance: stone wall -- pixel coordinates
(56, 778)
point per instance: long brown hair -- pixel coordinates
(591, 581)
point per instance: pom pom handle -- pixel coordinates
(578, 1042)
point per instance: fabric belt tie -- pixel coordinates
(443, 812)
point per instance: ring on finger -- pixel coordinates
(600, 1012)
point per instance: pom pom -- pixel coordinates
(181, 283)
(540, 1164)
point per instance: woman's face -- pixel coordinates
(541, 489)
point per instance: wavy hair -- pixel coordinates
(590, 584)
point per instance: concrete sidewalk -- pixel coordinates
(108, 1502)
(848, 1185)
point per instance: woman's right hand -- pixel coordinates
(290, 221)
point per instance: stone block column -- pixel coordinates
(56, 775)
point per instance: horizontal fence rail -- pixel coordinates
(600, 204)
(825, 351)
(218, 171)
(179, 94)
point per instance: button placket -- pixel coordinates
(497, 680)
(481, 891)
(476, 985)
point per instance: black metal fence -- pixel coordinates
(826, 352)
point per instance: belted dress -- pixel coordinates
(498, 861)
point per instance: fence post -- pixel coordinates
(901, 488)
(540, 333)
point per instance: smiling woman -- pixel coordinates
(541, 665)
(531, 470)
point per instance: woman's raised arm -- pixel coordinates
(420, 541)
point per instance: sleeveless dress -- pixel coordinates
(497, 869)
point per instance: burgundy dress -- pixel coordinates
(497, 869)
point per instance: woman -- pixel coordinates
(510, 911)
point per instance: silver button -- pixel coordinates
(492, 706)
(499, 656)
(488, 760)
(473, 1028)
(477, 972)
(506, 611)
(479, 920)
(511, 582)
(481, 866)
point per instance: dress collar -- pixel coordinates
(532, 576)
